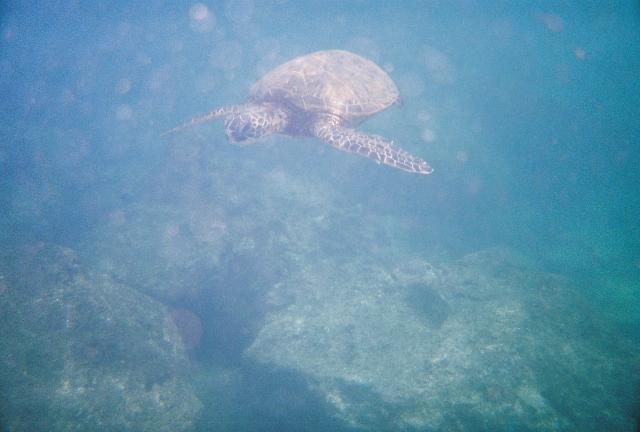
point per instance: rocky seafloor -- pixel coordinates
(160, 317)
(481, 343)
(79, 351)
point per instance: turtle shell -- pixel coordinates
(336, 82)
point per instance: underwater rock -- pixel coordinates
(168, 252)
(484, 343)
(81, 352)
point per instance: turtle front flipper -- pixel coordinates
(374, 147)
(204, 118)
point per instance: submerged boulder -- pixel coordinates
(483, 343)
(81, 352)
(167, 252)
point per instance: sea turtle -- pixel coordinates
(324, 94)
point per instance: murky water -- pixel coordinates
(186, 283)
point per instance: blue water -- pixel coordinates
(527, 111)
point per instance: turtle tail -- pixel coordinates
(203, 118)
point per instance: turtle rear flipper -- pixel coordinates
(373, 147)
(204, 118)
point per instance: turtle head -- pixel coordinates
(254, 121)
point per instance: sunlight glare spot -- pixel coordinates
(462, 156)
(424, 116)
(124, 112)
(123, 86)
(365, 47)
(117, 217)
(474, 185)
(411, 85)
(239, 11)
(227, 56)
(441, 70)
(199, 12)
(202, 20)
(269, 51)
(553, 22)
(428, 135)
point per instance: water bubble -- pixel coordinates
(227, 56)
(365, 47)
(199, 12)
(267, 64)
(68, 97)
(553, 22)
(239, 11)
(201, 19)
(268, 50)
(474, 185)
(411, 85)
(438, 65)
(123, 30)
(267, 47)
(158, 78)
(206, 83)
(502, 28)
(74, 147)
(428, 135)
(424, 116)
(176, 46)
(6, 71)
(117, 217)
(621, 156)
(124, 112)
(208, 226)
(8, 34)
(218, 34)
(462, 156)
(171, 231)
(123, 86)
(563, 72)
(143, 59)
